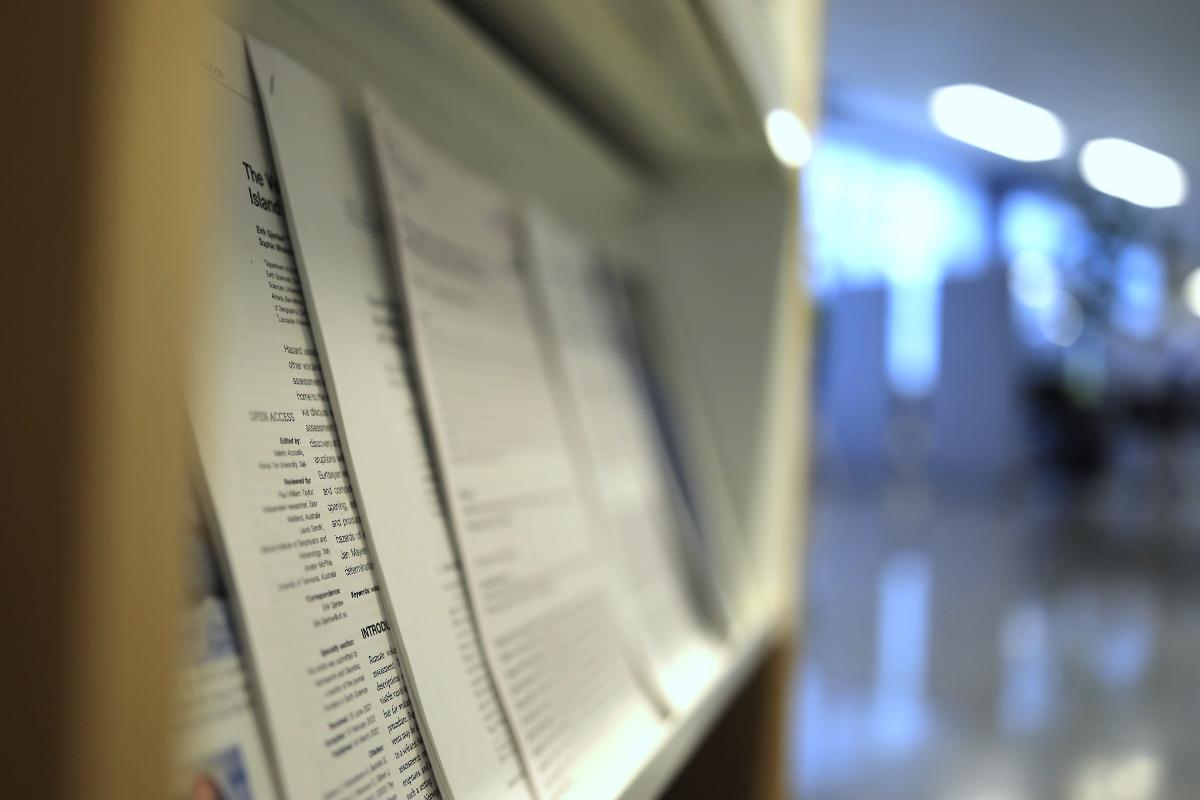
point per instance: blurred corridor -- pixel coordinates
(1003, 582)
(994, 648)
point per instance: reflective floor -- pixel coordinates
(1027, 643)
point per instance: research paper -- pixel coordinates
(323, 150)
(625, 468)
(337, 714)
(582, 723)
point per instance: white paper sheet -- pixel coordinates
(323, 150)
(624, 466)
(337, 713)
(582, 724)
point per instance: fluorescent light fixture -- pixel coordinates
(1133, 173)
(1191, 291)
(997, 122)
(789, 138)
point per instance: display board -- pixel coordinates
(324, 686)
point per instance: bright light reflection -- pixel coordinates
(1062, 322)
(1133, 173)
(1033, 280)
(1191, 291)
(1031, 220)
(899, 714)
(913, 338)
(1135, 777)
(864, 208)
(1140, 282)
(1029, 685)
(997, 122)
(789, 139)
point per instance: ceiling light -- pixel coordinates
(789, 139)
(997, 122)
(1132, 172)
